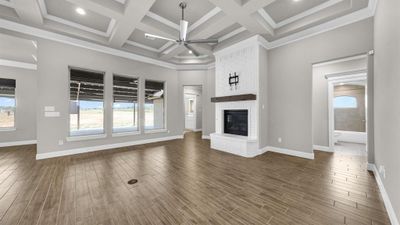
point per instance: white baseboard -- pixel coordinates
(205, 137)
(322, 148)
(291, 152)
(103, 147)
(17, 143)
(385, 196)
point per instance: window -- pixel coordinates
(86, 102)
(345, 102)
(125, 104)
(154, 105)
(7, 103)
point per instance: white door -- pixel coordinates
(190, 112)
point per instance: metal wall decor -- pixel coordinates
(233, 80)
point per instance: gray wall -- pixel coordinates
(290, 81)
(351, 119)
(205, 78)
(26, 81)
(387, 95)
(320, 114)
(53, 90)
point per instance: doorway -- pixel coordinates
(347, 95)
(340, 89)
(193, 108)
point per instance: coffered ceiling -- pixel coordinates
(121, 24)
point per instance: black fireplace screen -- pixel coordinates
(235, 122)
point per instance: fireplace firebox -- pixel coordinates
(236, 122)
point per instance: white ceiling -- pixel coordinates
(121, 24)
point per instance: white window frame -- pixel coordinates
(85, 135)
(13, 128)
(162, 130)
(120, 132)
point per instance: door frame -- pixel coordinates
(350, 76)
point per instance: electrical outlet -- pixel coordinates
(382, 171)
(280, 140)
(60, 142)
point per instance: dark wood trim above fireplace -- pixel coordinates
(234, 98)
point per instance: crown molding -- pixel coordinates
(18, 64)
(354, 17)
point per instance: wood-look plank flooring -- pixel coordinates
(186, 182)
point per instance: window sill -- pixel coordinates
(155, 131)
(123, 134)
(8, 129)
(86, 137)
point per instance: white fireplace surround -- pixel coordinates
(243, 59)
(246, 146)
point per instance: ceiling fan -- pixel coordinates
(183, 34)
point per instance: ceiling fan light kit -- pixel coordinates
(183, 29)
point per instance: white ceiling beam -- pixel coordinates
(236, 12)
(100, 7)
(156, 31)
(163, 20)
(28, 11)
(134, 12)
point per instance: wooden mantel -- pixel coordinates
(234, 98)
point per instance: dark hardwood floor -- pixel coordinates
(186, 182)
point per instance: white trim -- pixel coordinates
(345, 59)
(7, 129)
(204, 19)
(103, 147)
(124, 134)
(231, 34)
(206, 137)
(163, 20)
(7, 3)
(267, 17)
(155, 131)
(322, 148)
(17, 64)
(75, 25)
(385, 196)
(332, 80)
(21, 28)
(285, 151)
(17, 143)
(86, 137)
(324, 27)
(190, 56)
(136, 44)
(308, 12)
(45, 14)
(169, 43)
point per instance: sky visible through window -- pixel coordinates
(7, 102)
(345, 102)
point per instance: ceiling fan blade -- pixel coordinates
(183, 30)
(196, 53)
(203, 41)
(153, 37)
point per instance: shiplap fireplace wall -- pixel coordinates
(247, 59)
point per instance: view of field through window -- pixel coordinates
(7, 103)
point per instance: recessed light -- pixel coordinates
(80, 11)
(190, 52)
(296, 0)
